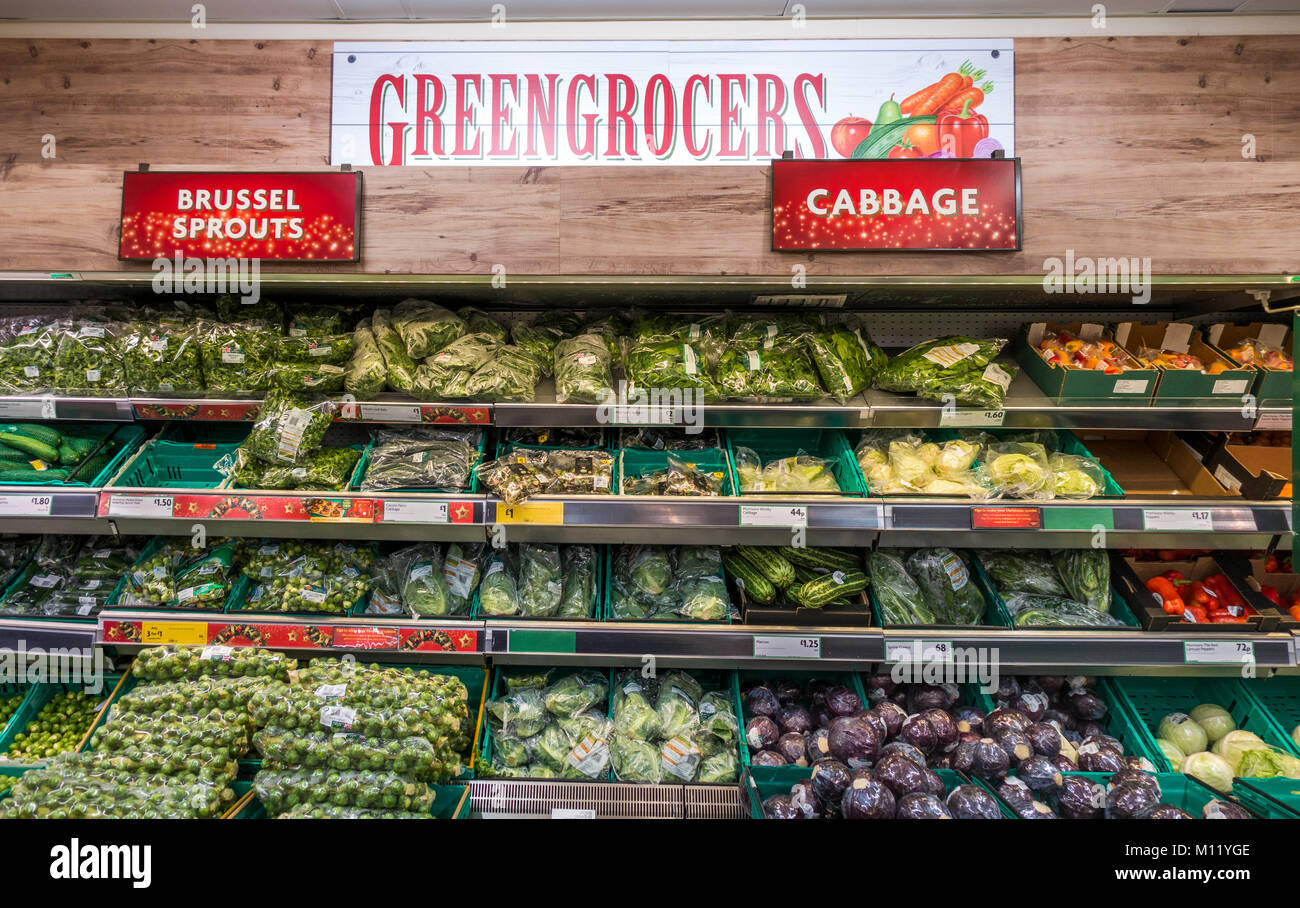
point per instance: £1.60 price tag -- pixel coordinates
(982, 418)
(25, 505)
(787, 646)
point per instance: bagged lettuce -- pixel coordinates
(668, 363)
(511, 374)
(303, 378)
(846, 358)
(582, 368)
(454, 363)
(1075, 476)
(1086, 574)
(400, 366)
(1023, 571)
(957, 367)
(539, 341)
(1018, 470)
(314, 320)
(800, 473)
(425, 327)
(479, 322)
(366, 374)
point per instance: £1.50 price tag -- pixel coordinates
(140, 506)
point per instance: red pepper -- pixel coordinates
(1198, 594)
(1166, 595)
(1271, 594)
(1226, 619)
(1174, 576)
(1270, 564)
(960, 131)
(1196, 615)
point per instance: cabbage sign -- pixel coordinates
(538, 103)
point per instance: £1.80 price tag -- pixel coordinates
(25, 505)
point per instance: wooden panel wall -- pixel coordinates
(1130, 146)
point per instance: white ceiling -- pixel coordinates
(443, 10)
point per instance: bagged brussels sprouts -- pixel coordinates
(288, 428)
(89, 357)
(162, 357)
(27, 347)
(281, 788)
(175, 662)
(400, 366)
(946, 583)
(511, 374)
(235, 356)
(582, 369)
(366, 374)
(846, 358)
(425, 327)
(958, 367)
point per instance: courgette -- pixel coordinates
(82, 446)
(877, 144)
(824, 590)
(775, 569)
(45, 434)
(829, 559)
(749, 579)
(31, 446)
(54, 473)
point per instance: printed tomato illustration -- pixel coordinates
(848, 133)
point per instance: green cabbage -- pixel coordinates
(1183, 732)
(1216, 720)
(1209, 769)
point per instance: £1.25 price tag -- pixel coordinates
(787, 646)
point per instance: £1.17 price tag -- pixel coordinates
(1184, 519)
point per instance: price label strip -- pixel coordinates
(188, 633)
(409, 511)
(962, 418)
(25, 505)
(919, 651)
(787, 646)
(141, 506)
(1218, 652)
(1186, 520)
(542, 512)
(389, 412)
(762, 515)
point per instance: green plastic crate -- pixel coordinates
(637, 462)
(172, 464)
(607, 600)
(787, 775)
(127, 438)
(1148, 700)
(1119, 607)
(1280, 699)
(40, 694)
(756, 791)
(774, 444)
(450, 802)
(1176, 790)
(18, 692)
(238, 589)
(1276, 798)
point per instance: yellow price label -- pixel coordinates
(186, 633)
(550, 512)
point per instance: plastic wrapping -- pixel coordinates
(958, 367)
(162, 356)
(423, 457)
(399, 365)
(425, 327)
(896, 591)
(479, 322)
(655, 438)
(314, 320)
(583, 369)
(1254, 352)
(946, 583)
(409, 756)
(89, 357)
(199, 694)
(325, 469)
(654, 582)
(521, 473)
(366, 373)
(1086, 574)
(538, 341)
(678, 478)
(449, 369)
(27, 347)
(1037, 610)
(1075, 477)
(800, 473)
(282, 788)
(511, 374)
(174, 662)
(1023, 571)
(333, 812)
(900, 463)
(232, 308)
(324, 378)
(1066, 350)
(540, 581)
(334, 349)
(847, 359)
(315, 578)
(289, 428)
(236, 356)
(90, 785)
(669, 729)
(1017, 469)
(668, 363)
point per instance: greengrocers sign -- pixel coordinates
(657, 102)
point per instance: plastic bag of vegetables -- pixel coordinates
(800, 473)
(511, 374)
(668, 363)
(539, 341)
(425, 327)
(232, 308)
(846, 358)
(897, 592)
(314, 320)
(366, 373)
(678, 478)
(162, 357)
(398, 363)
(335, 349)
(325, 469)
(463, 355)
(1022, 571)
(422, 457)
(1075, 476)
(498, 594)
(578, 599)
(479, 322)
(540, 580)
(958, 367)
(423, 590)
(302, 378)
(235, 356)
(582, 369)
(288, 428)
(89, 357)
(1018, 470)
(523, 472)
(1038, 610)
(642, 585)
(1086, 574)
(945, 582)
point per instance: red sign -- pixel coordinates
(366, 637)
(299, 217)
(934, 204)
(287, 636)
(1005, 519)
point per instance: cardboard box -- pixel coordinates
(1130, 577)
(1154, 464)
(1256, 472)
(1285, 584)
(856, 614)
(1188, 387)
(1275, 386)
(1130, 388)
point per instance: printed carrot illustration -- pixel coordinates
(935, 97)
(969, 98)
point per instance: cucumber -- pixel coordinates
(775, 569)
(825, 590)
(17, 466)
(45, 434)
(68, 455)
(830, 559)
(877, 144)
(93, 466)
(53, 473)
(749, 579)
(82, 446)
(31, 446)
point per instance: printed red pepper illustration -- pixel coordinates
(960, 131)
